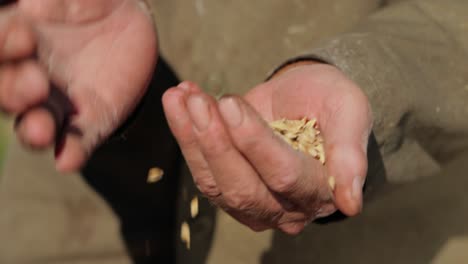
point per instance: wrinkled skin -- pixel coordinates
(240, 165)
(98, 53)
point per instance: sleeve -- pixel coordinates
(411, 59)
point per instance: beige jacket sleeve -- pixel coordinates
(411, 59)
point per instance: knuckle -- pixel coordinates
(284, 183)
(215, 146)
(203, 179)
(210, 191)
(285, 179)
(251, 144)
(258, 227)
(23, 35)
(22, 86)
(293, 228)
(252, 137)
(10, 26)
(32, 80)
(187, 142)
(198, 167)
(207, 187)
(26, 45)
(241, 201)
(325, 210)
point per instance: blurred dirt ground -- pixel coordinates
(4, 135)
(422, 222)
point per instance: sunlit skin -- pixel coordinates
(239, 164)
(100, 55)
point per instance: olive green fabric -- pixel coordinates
(408, 56)
(412, 61)
(229, 46)
(46, 217)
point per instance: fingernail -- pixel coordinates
(357, 189)
(230, 111)
(199, 111)
(184, 86)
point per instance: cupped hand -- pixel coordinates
(86, 61)
(242, 166)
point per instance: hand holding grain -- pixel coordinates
(240, 164)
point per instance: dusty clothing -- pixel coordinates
(411, 60)
(410, 57)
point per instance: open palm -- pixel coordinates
(345, 119)
(98, 53)
(238, 162)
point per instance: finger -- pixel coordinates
(203, 174)
(189, 87)
(36, 128)
(22, 86)
(72, 11)
(181, 126)
(292, 228)
(17, 38)
(346, 133)
(297, 177)
(70, 154)
(239, 183)
(72, 146)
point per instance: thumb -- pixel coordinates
(347, 163)
(70, 154)
(89, 119)
(346, 134)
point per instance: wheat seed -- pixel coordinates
(303, 135)
(185, 234)
(194, 207)
(155, 174)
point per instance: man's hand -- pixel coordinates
(238, 162)
(99, 56)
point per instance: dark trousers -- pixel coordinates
(150, 214)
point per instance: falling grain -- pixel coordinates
(154, 175)
(332, 182)
(185, 234)
(194, 207)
